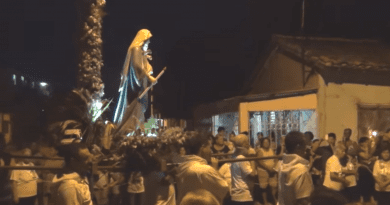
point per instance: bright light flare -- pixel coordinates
(43, 84)
(373, 133)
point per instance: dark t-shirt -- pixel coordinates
(224, 150)
(352, 148)
(325, 152)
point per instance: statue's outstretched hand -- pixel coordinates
(153, 80)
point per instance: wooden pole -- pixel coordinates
(36, 157)
(151, 102)
(109, 168)
(148, 88)
(237, 160)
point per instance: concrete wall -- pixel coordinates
(338, 105)
(281, 73)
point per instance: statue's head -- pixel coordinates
(142, 38)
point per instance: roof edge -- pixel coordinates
(269, 96)
(277, 36)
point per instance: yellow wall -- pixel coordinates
(339, 107)
(282, 74)
(291, 103)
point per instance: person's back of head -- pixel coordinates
(220, 129)
(295, 143)
(199, 197)
(195, 142)
(363, 140)
(241, 140)
(309, 136)
(244, 133)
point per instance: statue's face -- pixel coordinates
(146, 45)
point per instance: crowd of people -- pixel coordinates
(172, 166)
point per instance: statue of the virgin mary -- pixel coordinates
(136, 74)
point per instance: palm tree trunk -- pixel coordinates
(89, 45)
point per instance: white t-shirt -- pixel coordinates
(136, 183)
(225, 172)
(294, 179)
(269, 153)
(72, 189)
(332, 165)
(26, 181)
(115, 177)
(382, 170)
(102, 181)
(194, 173)
(350, 178)
(240, 189)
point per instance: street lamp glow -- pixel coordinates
(43, 84)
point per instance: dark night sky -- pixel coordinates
(209, 47)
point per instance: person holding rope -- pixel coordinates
(242, 172)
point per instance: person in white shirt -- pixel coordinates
(351, 167)
(224, 170)
(195, 173)
(116, 179)
(382, 175)
(135, 188)
(334, 177)
(25, 182)
(266, 172)
(71, 186)
(101, 188)
(294, 184)
(242, 172)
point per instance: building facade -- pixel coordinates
(320, 85)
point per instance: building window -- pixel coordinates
(279, 123)
(227, 120)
